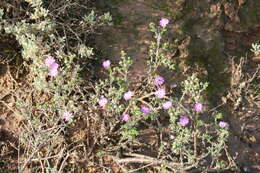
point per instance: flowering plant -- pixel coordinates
(49, 101)
(191, 136)
(120, 110)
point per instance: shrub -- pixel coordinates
(49, 100)
(195, 138)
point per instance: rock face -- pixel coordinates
(203, 22)
(214, 30)
(242, 25)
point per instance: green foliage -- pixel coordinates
(193, 87)
(92, 19)
(39, 35)
(157, 50)
(256, 49)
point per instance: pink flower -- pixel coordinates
(53, 69)
(102, 102)
(48, 61)
(106, 63)
(158, 81)
(66, 116)
(53, 72)
(146, 110)
(198, 107)
(184, 121)
(164, 22)
(160, 93)
(167, 105)
(223, 124)
(54, 65)
(125, 117)
(128, 95)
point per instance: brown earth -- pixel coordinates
(206, 31)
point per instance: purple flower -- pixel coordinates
(48, 61)
(158, 81)
(53, 69)
(54, 65)
(66, 116)
(198, 107)
(106, 63)
(128, 95)
(146, 110)
(184, 121)
(160, 93)
(125, 117)
(167, 105)
(223, 124)
(53, 72)
(164, 22)
(102, 102)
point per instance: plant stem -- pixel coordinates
(148, 95)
